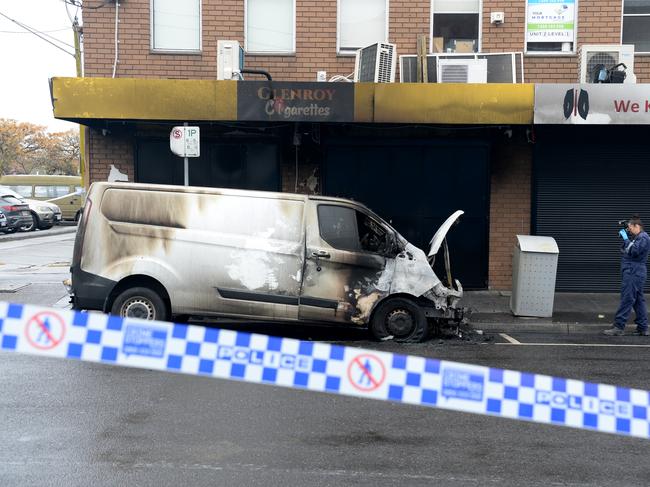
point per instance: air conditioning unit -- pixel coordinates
(230, 60)
(502, 67)
(376, 63)
(462, 71)
(591, 55)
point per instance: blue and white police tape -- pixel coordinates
(227, 354)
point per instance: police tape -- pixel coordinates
(323, 367)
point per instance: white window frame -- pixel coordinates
(175, 51)
(480, 25)
(292, 52)
(352, 52)
(623, 15)
(574, 48)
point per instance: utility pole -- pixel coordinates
(77, 31)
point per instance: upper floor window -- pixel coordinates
(361, 23)
(455, 25)
(550, 26)
(271, 26)
(636, 24)
(176, 25)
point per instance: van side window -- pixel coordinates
(348, 229)
(50, 191)
(372, 236)
(338, 227)
(24, 191)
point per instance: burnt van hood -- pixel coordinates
(440, 235)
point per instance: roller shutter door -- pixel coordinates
(580, 192)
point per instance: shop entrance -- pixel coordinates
(416, 186)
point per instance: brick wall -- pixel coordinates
(510, 210)
(110, 149)
(599, 22)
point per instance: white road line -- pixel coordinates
(510, 339)
(575, 345)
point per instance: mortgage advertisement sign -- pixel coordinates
(592, 104)
(295, 102)
(550, 21)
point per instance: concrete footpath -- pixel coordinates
(572, 313)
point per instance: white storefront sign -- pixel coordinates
(592, 104)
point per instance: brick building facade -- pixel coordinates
(316, 25)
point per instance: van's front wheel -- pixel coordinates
(399, 319)
(139, 302)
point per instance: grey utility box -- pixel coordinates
(534, 266)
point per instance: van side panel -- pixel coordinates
(220, 254)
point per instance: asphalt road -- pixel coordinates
(70, 423)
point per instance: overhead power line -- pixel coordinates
(41, 35)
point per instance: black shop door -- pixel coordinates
(416, 186)
(241, 165)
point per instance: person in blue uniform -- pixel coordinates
(634, 250)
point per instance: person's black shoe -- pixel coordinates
(613, 332)
(641, 333)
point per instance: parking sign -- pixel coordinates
(185, 141)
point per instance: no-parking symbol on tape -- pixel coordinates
(366, 372)
(45, 330)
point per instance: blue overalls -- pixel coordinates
(633, 269)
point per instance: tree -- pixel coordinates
(26, 148)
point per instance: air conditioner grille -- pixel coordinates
(454, 73)
(608, 59)
(385, 64)
(367, 69)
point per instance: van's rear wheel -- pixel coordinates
(140, 302)
(400, 319)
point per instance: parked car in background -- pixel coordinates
(3, 222)
(17, 213)
(67, 192)
(44, 213)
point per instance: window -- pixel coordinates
(270, 26)
(24, 191)
(361, 23)
(455, 25)
(347, 229)
(636, 24)
(550, 26)
(176, 25)
(50, 191)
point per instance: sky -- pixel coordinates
(26, 61)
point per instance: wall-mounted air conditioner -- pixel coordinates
(230, 60)
(376, 63)
(462, 71)
(609, 55)
(502, 67)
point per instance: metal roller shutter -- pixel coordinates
(580, 192)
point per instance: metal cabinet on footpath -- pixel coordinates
(534, 267)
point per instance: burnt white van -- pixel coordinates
(165, 252)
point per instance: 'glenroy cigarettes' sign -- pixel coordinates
(592, 104)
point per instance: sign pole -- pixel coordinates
(186, 167)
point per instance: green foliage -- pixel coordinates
(26, 148)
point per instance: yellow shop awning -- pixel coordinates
(88, 100)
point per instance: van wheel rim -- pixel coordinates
(399, 322)
(138, 308)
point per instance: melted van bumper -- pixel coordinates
(88, 291)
